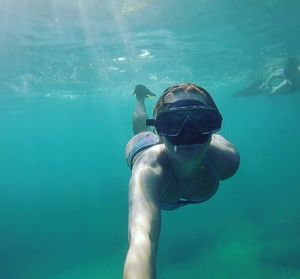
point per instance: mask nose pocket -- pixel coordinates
(188, 132)
(188, 127)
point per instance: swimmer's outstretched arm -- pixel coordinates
(282, 88)
(144, 223)
(271, 78)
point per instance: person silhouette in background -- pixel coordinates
(180, 163)
(283, 81)
(289, 78)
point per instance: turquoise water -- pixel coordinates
(67, 69)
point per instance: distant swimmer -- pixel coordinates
(290, 78)
(179, 163)
(283, 81)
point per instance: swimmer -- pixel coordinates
(283, 81)
(289, 78)
(179, 163)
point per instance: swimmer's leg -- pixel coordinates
(252, 90)
(140, 113)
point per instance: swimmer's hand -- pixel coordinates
(273, 92)
(142, 91)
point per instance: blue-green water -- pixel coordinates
(67, 69)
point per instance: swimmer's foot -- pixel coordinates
(143, 92)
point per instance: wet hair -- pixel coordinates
(182, 87)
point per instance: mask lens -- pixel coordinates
(171, 122)
(206, 121)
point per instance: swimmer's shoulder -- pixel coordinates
(154, 157)
(154, 165)
(224, 156)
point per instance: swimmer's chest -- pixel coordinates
(197, 188)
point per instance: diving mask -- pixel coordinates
(186, 122)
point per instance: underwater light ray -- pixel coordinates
(122, 13)
(84, 21)
(123, 32)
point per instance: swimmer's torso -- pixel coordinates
(196, 187)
